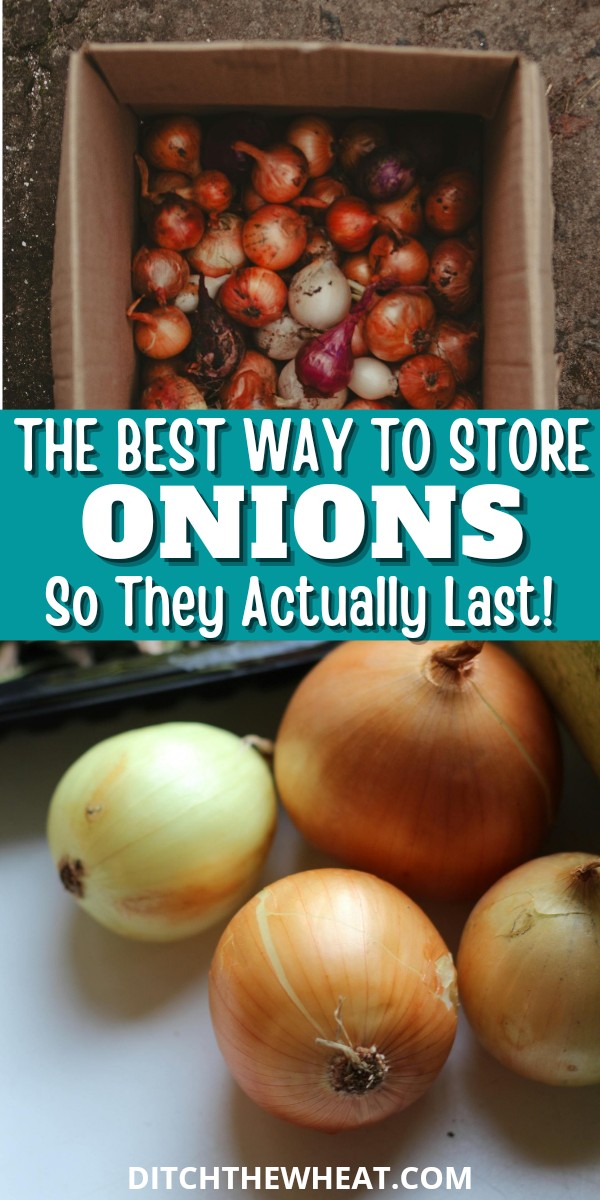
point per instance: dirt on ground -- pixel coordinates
(564, 37)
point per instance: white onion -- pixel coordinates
(372, 379)
(282, 339)
(187, 299)
(290, 388)
(319, 295)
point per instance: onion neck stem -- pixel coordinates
(585, 880)
(452, 664)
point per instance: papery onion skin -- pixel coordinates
(220, 251)
(279, 172)
(399, 324)
(350, 223)
(274, 236)
(172, 143)
(399, 260)
(318, 956)
(529, 972)
(159, 832)
(426, 381)
(176, 224)
(386, 172)
(388, 403)
(405, 213)
(358, 139)
(172, 392)
(460, 346)
(454, 276)
(463, 399)
(438, 779)
(326, 188)
(163, 332)
(453, 202)
(314, 137)
(255, 296)
(291, 389)
(159, 273)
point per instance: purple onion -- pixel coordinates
(217, 346)
(217, 151)
(325, 363)
(386, 173)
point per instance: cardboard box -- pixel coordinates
(111, 86)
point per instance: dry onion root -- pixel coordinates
(159, 832)
(434, 765)
(529, 969)
(333, 999)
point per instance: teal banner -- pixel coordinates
(331, 525)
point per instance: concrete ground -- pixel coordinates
(564, 37)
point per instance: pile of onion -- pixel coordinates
(284, 228)
(435, 765)
(333, 999)
(159, 832)
(529, 969)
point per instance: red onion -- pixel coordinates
(218, 153)
(386, 173)
(325, 363)
(217, 346)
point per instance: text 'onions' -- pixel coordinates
(435, 765)
(529, 969)
(333, 999)
(159, 832)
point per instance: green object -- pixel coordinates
(569, 672)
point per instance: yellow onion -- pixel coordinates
(160, 832)
(435, 765)
(529, 969)
(333, 999)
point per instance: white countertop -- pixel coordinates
(107, 1055)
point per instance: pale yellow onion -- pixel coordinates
(529, 969)
(160, 832)
(436, 765)
(333, 999)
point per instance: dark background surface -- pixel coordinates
(564, 37)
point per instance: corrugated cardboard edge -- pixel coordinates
(540, 226)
